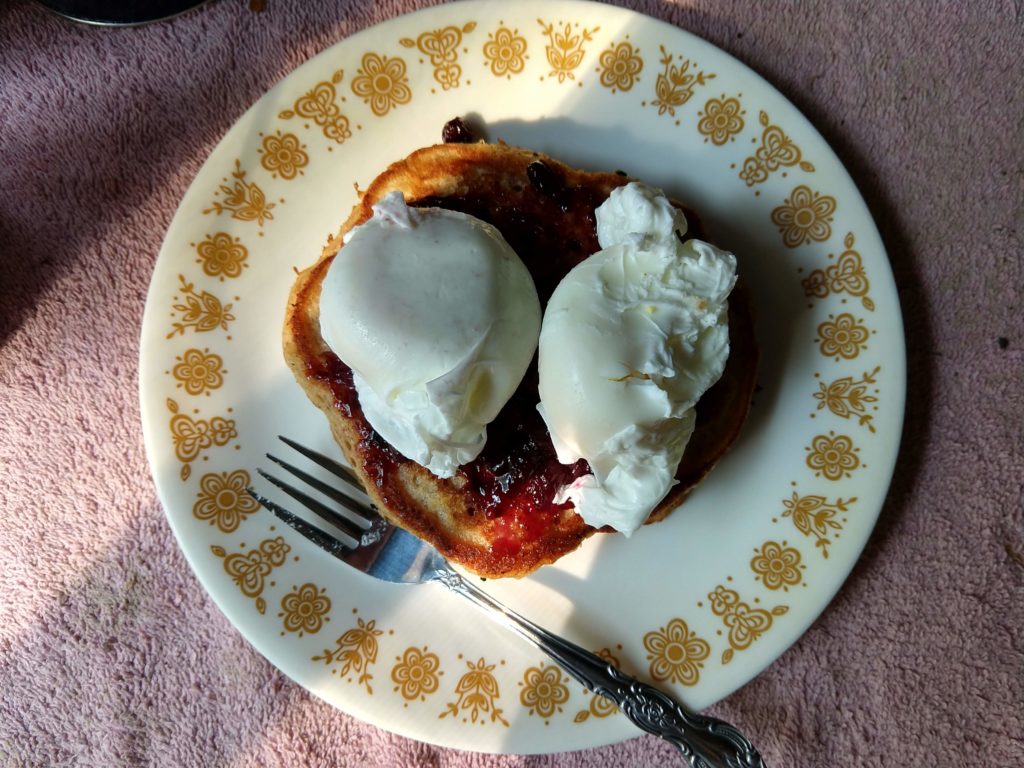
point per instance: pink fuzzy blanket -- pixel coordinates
(114, 655)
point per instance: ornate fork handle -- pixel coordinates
(706, 742)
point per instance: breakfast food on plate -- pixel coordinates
(431, 294)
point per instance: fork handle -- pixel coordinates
(706, 742)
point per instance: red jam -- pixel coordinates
(516, 475)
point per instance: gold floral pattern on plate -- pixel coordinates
(199, 310)
(676, 653)
(543, 691)
(416, 674)
(843, 337)
(676, 83)
(249, 570)
(304, 610)
(382, 83)
(223, 501)
(565, 49)
(243, 200)
(599, 705)
(505, 52)
(743, 622)
(721, 120)
(833, 456)
(477, 695)
(354, 652)
(191, 436)
(283, 155)
(321, 106)
(847, 398)
(816, 517)
(847, 275)
(777, 150)
(442, 46)
(222, 255)
(620, 66)
(777, 566)
(198, 371)
(805, 217)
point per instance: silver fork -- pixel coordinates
(384, 551)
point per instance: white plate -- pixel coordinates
(701, 602)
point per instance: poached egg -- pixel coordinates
(438, 318)
(631, 338)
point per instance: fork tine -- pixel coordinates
(318, 507)
(323, 540)
(336, 469)
(365, 515)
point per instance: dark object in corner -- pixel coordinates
(119, 12)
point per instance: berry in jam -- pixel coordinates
(457, 131)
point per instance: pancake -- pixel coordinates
(496, 516)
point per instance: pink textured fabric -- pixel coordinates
(111, 653)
